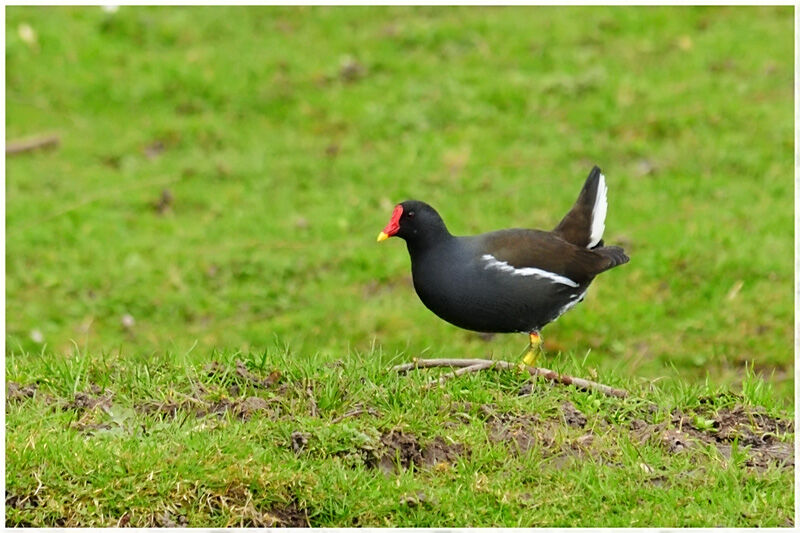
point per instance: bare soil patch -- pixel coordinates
(572, 416)
(399, 450)
(522, 432)
(752, 428)
(291, 515)
(17, 393)
(85, 401)
(759, 434)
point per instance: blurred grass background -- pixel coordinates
(223, 172)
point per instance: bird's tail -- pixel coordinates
(614, 253)
(584, 224)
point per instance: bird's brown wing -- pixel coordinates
(525, 248)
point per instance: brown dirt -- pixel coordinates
(28, 501)
(84, 401)
(674, 440)
(526, 389)
(16, 392)
(291, 515)
(583, 442)
(399, 450)
(439, 451)
(572, 416)
(781, 454)
(522, 432)
(245, 408)
(719, 398)
(751, 427)
(732, 421)
(299, 441)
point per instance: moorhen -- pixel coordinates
(511, 280)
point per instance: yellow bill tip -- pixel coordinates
(382, 236)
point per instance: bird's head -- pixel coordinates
(413, 220)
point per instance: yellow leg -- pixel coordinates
(534, 348)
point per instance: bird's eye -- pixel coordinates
(411, 214)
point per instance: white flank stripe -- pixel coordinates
(599, 213)
(492, 262)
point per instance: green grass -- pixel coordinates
(147, 452)
(284, 137)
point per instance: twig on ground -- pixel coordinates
(428, 363)
(32, 143)
(460, 372)
(474, 365)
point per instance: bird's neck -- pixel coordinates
(432, 238)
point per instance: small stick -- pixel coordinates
(428, 363)
(546, 373)
(32, 143)
(461, 371)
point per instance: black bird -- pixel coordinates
(511, 280)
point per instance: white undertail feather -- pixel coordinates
(599, 213)
(492, 262)
(574, 300)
